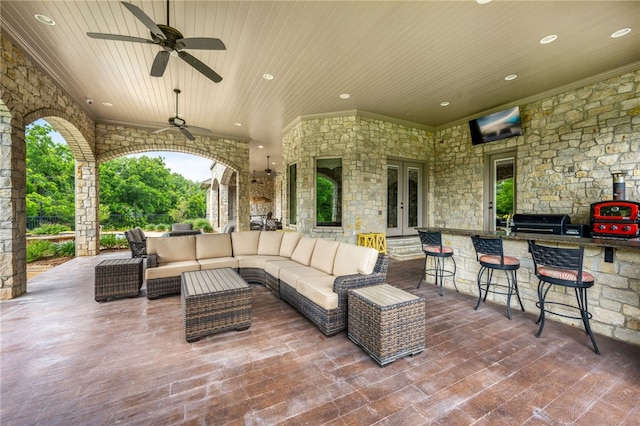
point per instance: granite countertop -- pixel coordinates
(587, 242)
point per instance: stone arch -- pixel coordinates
(230, 155)
(79, 144)
(87, 238)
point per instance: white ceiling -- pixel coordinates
(395, 58)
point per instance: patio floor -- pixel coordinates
(67, 360)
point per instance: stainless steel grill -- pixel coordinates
(554, 224)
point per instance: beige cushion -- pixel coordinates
(256, 261)
(269, 244)
(289, 242)
(245, 242)
(304, 250)
(319, 290)
(352, 259)
(218, 262)
(292, 275)
(213, 245)
(324, 253)
(172, 249)
(274, 267)
(173, 269)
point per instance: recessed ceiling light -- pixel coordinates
(548, 39)
(483, 1)
(44, 19)
(267, 76)
(444, 103)
(237, 124)
(107, 104)
(621, 33)
(260, 146)
(345, 96)
(511, 77)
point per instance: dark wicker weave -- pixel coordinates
(333, 321)
(388, 323)
(160, 287)
(214, 300)
(253, 275)
(118, 278)
(137, 242)
(272, 283)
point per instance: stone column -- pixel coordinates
(13, 262)
(87, 203)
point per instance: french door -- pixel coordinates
(404, 198)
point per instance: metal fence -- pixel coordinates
(115, 221)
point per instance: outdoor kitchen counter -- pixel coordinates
(633, 243)
(614, 300)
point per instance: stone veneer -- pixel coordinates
(364, 142)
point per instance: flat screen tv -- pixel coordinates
(496, 126)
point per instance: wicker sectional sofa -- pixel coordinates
(313, 275)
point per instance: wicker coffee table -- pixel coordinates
(214, 300)
(388, 323)
(118, 278)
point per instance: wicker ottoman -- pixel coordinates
(214, 300)
(118, 278)
(388, 323)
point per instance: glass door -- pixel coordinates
(404, 198)
(500, 200)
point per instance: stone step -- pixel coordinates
(404, 248)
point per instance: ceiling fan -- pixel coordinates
(254, 180)
(269, 171)
(176, 122)
(170, 40)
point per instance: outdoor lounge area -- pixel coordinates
(69, 360)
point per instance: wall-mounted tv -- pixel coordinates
(496, 126)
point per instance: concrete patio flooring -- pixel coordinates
(67, 360)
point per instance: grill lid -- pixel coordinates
(541, 223)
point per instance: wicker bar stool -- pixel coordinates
(432, 247)
(490, 254)
(562, 267)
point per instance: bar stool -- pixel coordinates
(432, 247)
(490, 254)
(562, 267)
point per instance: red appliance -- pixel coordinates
(615, 219)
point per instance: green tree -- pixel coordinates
(504, 197)
(128, 186)
(50, 183)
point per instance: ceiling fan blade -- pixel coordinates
(200, 66)
(187, 134)
(204, 43)
(198, 129)
(160, 63)
(142, 17)
(119, 37)
(163, 129)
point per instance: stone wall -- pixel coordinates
(570, 145)
(364, 142)
(614, 300)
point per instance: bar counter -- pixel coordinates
(614, 300)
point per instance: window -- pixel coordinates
(329, 192)
(292, 193)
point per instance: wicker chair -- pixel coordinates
(137, 242)
(490, 254)
(562, 267)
